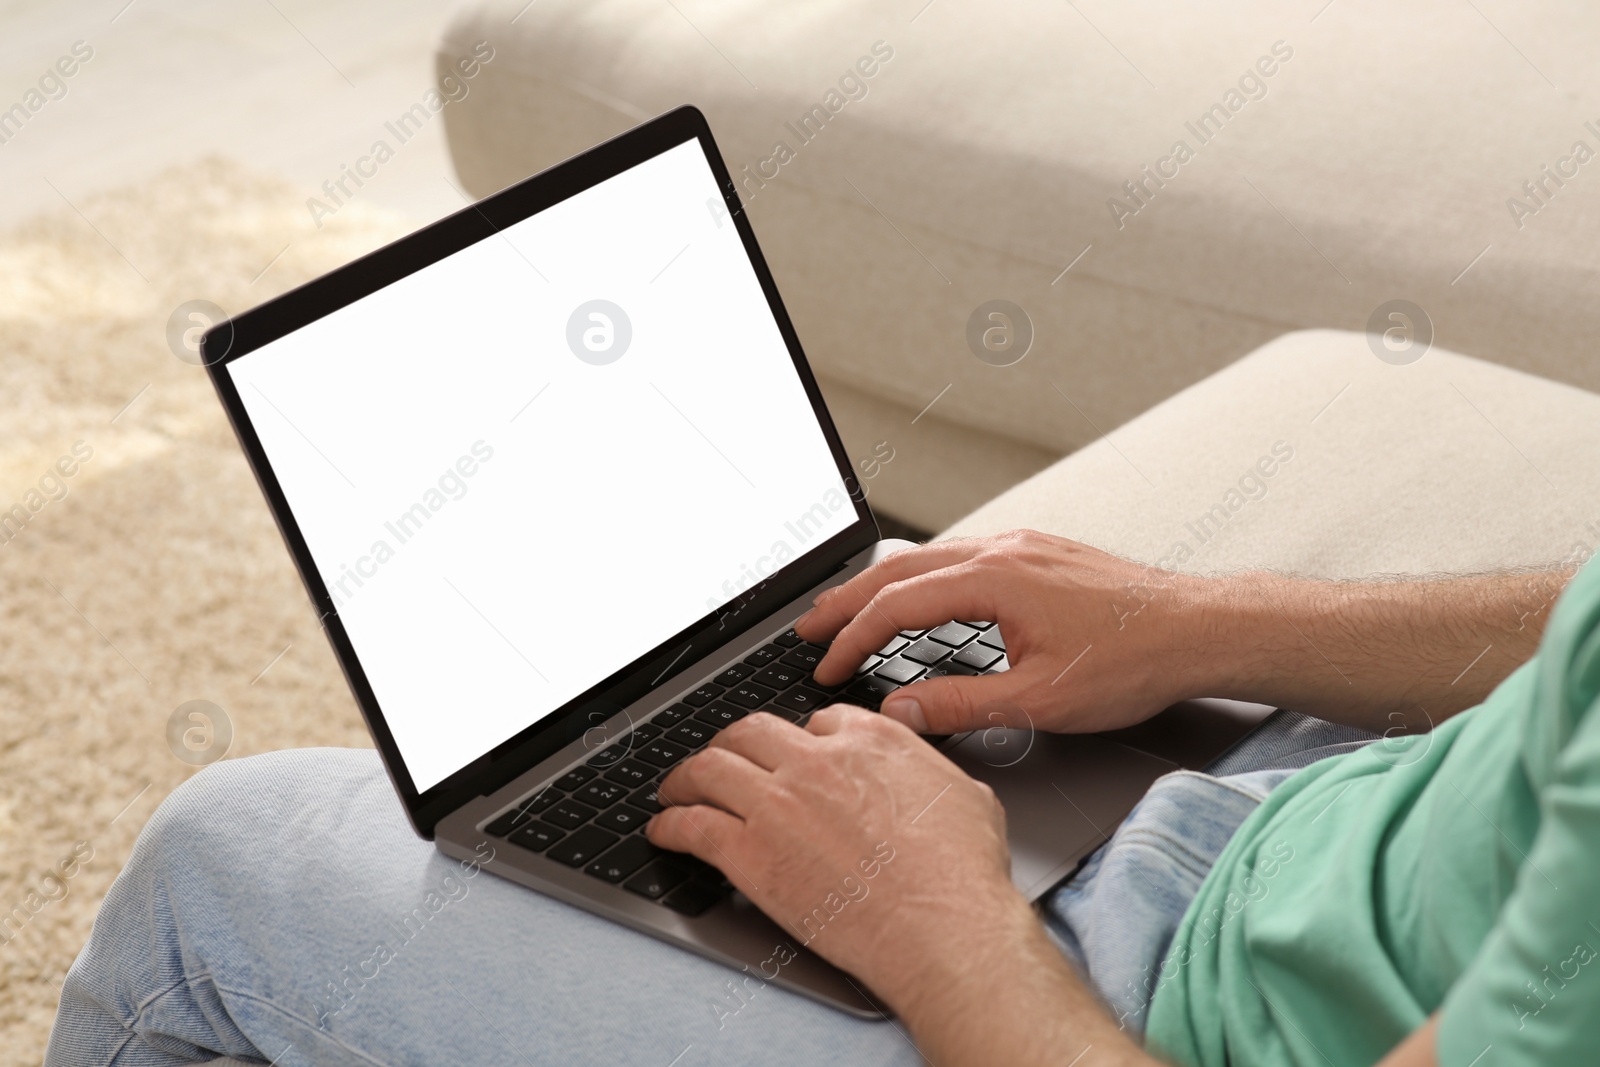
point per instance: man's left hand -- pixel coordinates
(854, 834)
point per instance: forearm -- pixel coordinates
(1010, 997)
(1394, 656)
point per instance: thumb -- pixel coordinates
(952, 704)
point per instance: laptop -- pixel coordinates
(558, 479)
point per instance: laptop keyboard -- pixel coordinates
(593, 816)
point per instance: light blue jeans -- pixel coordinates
(280, 909)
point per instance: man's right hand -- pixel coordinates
(1095, 642)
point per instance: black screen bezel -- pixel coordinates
(243, 334)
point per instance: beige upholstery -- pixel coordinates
(981, 160)
(1447, 465)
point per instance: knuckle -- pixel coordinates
(709, 761)
(734, 731)
(885, 595)
(764, 721)
(856, 717)
(826, 716)
(899, 558)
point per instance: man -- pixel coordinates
(1429, 898)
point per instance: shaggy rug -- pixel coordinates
(151, 575)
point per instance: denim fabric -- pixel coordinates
(280, 909)
(1115, 918)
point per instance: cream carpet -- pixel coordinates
(158, 578)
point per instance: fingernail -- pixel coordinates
(908, 711)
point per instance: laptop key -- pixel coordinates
(734, 674)
(954, 634)
(537, 836)
(926, 652)
(896, 643)
(506, 822)
(644, 732)
(764, 655)
(672, 716)
(981, 657)
(704, 695)
(869, 665)
(530, 806)
(544, 798)
(691, 734)
(582, 846)
(542, 801)
(788, 639)
(787, 714)
(804, 656)
(644, 798)
(871, 690)
(993, 639)
(707, 875)
(569, 814)
(608, 756)
(912, 635)
(658, 876)
(811, 680)
(720, 715)
(952, 669)
(574, 778)
(631, 772)
(749, 695)
(779, 676)
(617, 863)
(662, 753)
(976, 625)
(802, 699)
(601, 794)
(899, 671)
(622, 819)
(692, 898)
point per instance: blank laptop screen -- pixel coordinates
(528, 464)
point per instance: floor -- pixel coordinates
(292, 87)
(129, 152)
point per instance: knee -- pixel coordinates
(241, 804)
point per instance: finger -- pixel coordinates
(719, 777)
(704, 832)
(833, 718)
(949, 705)
(763, 739)
(837, 606)
(933, 599)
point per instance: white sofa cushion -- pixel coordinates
(1448, 465)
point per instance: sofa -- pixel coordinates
(1160, 190)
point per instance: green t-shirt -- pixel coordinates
(1457, 870)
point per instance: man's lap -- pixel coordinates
(265, 882)
(282, 908)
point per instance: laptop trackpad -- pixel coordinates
(1063, 794)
